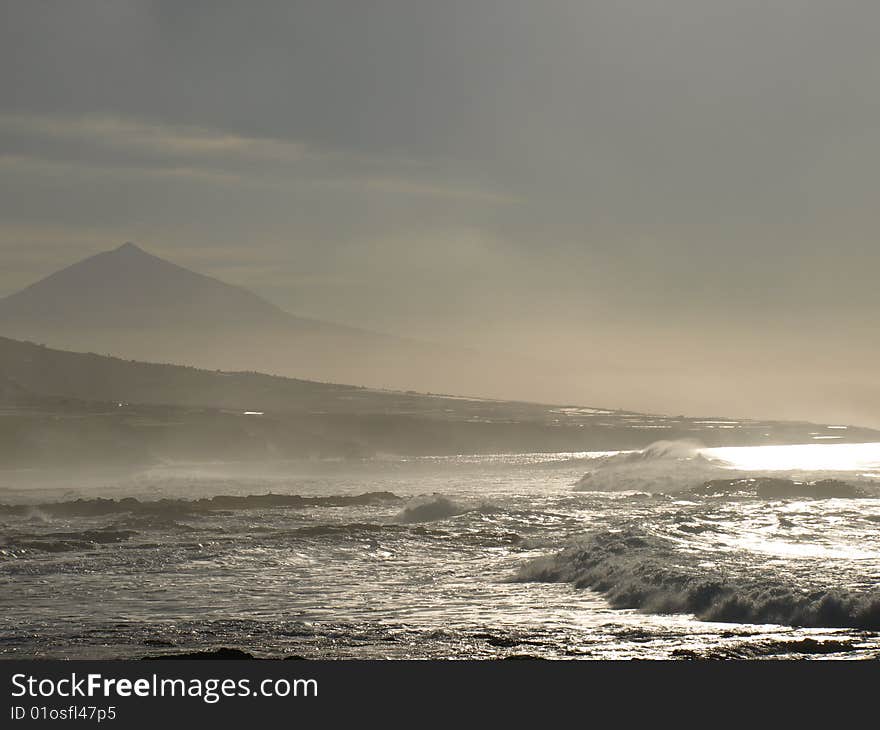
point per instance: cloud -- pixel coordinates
(159, 139)
(79, 171)
(112, 145)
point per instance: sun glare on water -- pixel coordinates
(806, 457)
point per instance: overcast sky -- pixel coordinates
(686, 188)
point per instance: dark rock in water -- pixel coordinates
(795, 647)
(809, 646)
(777, 487)
(222, 653)
(60, 542)
(221, 504)
(687, 654)
(502, 642)
(836, 488)
(824, 489)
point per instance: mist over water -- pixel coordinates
(470, 556)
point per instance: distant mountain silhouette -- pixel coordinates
(130, 303)
(128, 287)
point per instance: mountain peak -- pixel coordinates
(129, 249)
(127, 287)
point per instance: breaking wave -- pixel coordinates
(664, 466)
(429, 508)
(636, 570)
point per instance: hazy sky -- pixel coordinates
(683, 194)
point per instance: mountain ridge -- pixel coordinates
(129, 281)
(28, 368)
(70, 410)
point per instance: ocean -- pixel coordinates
(671, 552)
